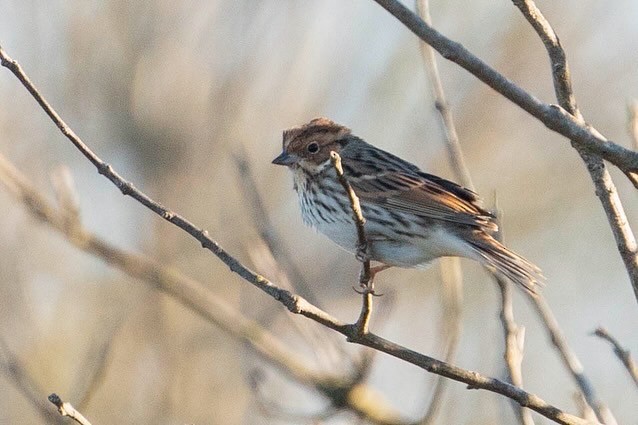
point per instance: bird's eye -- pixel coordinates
(313, 147)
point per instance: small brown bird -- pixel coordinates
(411, 217)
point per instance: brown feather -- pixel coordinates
(416, 194)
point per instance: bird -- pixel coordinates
(411, 217)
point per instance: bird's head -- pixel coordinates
(308, 146)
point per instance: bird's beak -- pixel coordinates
(285, 159)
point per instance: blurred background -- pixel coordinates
(170, 93)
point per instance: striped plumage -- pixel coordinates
(411, 217)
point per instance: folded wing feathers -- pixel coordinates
(423, 196)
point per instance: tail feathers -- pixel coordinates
(496, 256)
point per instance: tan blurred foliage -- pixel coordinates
(168, 91)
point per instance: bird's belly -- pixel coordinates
(410, 243)
(343, 234)
(416, 250)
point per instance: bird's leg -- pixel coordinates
(376, 269)
(361, 253)
(366, 278)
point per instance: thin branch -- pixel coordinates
(584, 409)
(365, 277)
(455, 153)
(514, 343)
(513, 334)
(554, 117)
(194, 295)
(623, 354)
(294, 303)
(571, 361)
(66, 409)
(326, 347)
(605, 187)
(560, 67)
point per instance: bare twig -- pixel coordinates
(584, 409)
(571, 361)
(326, 347)
(89, 384)
(66, 409)
(196, 297)
(294, 303)
(514, 342)
(455, 153)
(365, 278)
(514, 335)
(623, 354)
(275, 258)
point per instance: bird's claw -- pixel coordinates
(365, 290)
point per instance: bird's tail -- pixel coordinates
(496, 256)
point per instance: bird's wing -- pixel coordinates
(424, 195)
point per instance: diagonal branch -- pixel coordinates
(554, 117)
(571, 361)
(292, 302)
(623, 354)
